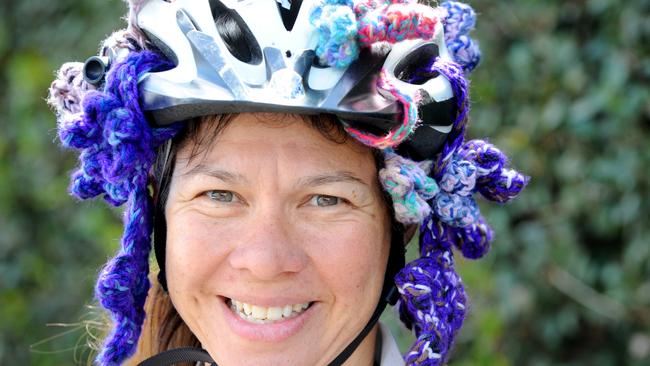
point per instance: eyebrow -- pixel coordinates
(328, 178)
(221, 174)
(309, 181)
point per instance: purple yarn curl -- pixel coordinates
(433, 302)
(118, 148)
(496, 181)
(476, 166)
(474, 240)
(454, 73)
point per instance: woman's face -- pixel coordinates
(277, 244)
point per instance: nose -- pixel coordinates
(266, 250)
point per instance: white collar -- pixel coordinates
(390, 355)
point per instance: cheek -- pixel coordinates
(346, 256)
(193, 253)
(351, 259)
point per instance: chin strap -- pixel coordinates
(389, 294)
(349, 350)
(174, 356)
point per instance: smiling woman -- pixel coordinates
(280, 248)
(292, 148)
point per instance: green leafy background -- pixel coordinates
(564, 89)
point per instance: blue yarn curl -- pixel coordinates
(455, 210)
(459, 22)
(337, 30)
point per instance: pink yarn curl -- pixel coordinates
(401, 132)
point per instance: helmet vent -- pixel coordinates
(410, 69)
(316, 62)
(162, 47)
(289, 15)
(235, 34)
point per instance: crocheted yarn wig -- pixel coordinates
(118, 147)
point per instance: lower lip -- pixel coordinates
(271, 332)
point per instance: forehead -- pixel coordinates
(305, 141)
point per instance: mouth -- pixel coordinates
(266, 315)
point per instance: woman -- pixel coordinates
(292, 148)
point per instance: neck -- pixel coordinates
(364, 355)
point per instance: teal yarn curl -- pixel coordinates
(337, 30)
(409, 185)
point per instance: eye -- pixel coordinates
(325, 201)
(221, 196)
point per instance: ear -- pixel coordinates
(154, 187)
(409, 233)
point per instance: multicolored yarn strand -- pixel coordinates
(346, 25)
(459, 21)
(477, 166)
(123, 283)
(397, 22)
(111, 133)
(433, 300)
(454, 205)
(117, 151)
(469, 166)
(463, 169)
(409, 186)
(399, 133)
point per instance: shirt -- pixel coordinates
(390, 355)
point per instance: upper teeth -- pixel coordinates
(255, 312)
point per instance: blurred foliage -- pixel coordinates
(563, 89)
(50, 245)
